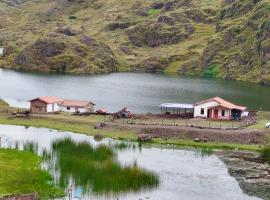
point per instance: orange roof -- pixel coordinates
(48, 99)
(223, 103)
(75, 103)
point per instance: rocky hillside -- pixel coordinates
(223, 38)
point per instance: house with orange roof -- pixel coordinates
(218, 108)
(46, 104)
(75, 106)
(53, 104)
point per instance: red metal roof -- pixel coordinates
(75, 103)
(223, 103)
(48, 99)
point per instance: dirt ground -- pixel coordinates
(242, 136)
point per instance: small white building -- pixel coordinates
(47, 104)
(75, 106)
(217, 108)
(1, 52)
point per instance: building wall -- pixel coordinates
(73, 109)
(197, 108)
(226, 116)
(38, 106)
(54, 107)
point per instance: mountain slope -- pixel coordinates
(189, 37)
(241, 47)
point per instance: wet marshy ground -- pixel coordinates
(111, 169)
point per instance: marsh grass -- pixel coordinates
(20, 174)
(204, 151)
(266, 154)
(123, 145)
(97, 170)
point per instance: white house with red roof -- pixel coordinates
(74, 106)
(218, 108)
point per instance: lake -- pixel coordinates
(182, 173)
(139, 92)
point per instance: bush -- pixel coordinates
(72, 17)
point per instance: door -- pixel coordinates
(215, 114)
(209, 113)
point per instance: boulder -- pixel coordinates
(98, 137)
(118, 25)
(100, 125)
(66, 31)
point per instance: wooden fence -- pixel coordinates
(247, 121)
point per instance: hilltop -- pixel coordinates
(220, 38)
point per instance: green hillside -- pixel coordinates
(229, 38)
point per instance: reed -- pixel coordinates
(97, 170)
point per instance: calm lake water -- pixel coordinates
(139, 92)
(183, 174)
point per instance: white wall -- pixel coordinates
(197, 109)
(53, 107)
(227, 114)
(72, 109)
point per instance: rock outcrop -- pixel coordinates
(249, 170)
(52, 54)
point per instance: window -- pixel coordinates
(68, 108)
(202, 111)
(223, 113)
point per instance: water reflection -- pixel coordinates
(92, 169)
(182, 173)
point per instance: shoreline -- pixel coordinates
(178, 136)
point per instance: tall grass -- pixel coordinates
(266, 154)
(97, 170)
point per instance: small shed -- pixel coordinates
(177, 109)
(47, 104)
(75, 106)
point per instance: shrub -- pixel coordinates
(72, 17)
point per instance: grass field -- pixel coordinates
(21, 174)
